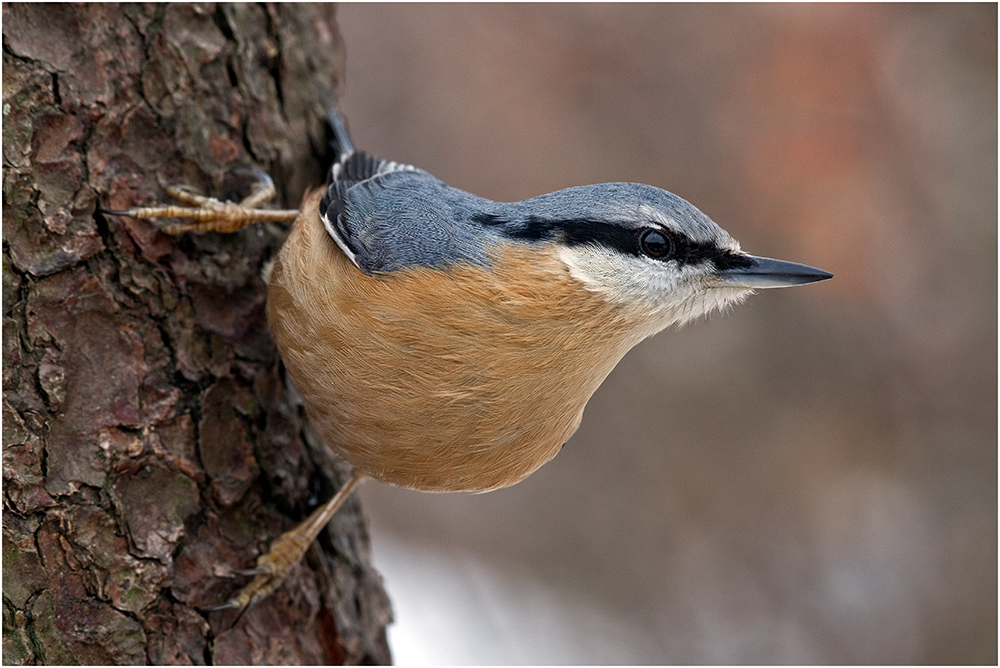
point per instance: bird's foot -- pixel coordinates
(287, 550)
(271, 568)
(207, 214)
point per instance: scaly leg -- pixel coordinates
(207, 214)
(287, 550)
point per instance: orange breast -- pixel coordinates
(461, 380)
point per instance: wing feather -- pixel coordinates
(352, 169)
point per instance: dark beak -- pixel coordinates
(764, 272)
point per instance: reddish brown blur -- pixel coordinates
(813, 476)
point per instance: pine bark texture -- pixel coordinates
(152, 446)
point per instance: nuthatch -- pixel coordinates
(445, 342)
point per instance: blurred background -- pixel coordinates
(811, 477)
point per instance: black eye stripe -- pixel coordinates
(628, 241)
(572, 232)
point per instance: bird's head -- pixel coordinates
(646, 250)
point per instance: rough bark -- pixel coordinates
(152, 446)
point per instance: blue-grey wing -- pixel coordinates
(386, 216)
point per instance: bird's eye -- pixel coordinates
(655, 244)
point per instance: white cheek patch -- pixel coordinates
(662, 293)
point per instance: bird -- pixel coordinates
(445, 342)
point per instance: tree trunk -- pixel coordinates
(151, 444)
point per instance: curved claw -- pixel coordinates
(236, 603)
(264, 179)
(259, 588)
(222, 606)
(112, 212)
(250, 571)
